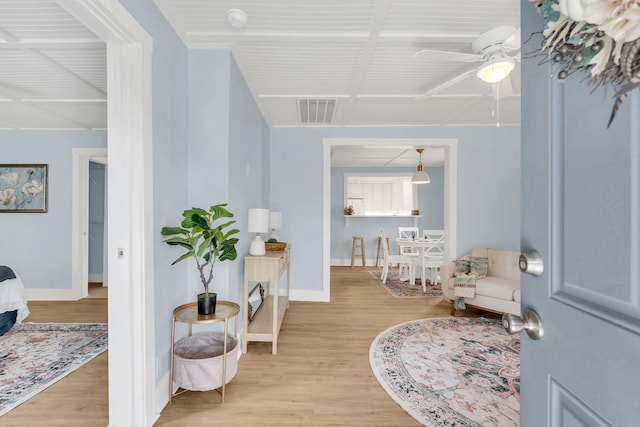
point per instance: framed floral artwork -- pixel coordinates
(23, 188)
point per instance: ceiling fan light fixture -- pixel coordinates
(495, 69)
(420, 177)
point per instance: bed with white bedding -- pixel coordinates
(13, 301)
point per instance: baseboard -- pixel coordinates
(347, 262)
(51, 294)
(311, 296)
(162, 396)
(95, 278)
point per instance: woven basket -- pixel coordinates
(275, 246)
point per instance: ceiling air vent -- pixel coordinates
(316, 110)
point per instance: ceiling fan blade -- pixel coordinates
(447, 83)
(512, 42)
(444, 55)
(503, 88)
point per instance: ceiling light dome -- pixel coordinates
(496, 69)
(237, 18)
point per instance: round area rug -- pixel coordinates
(451, 371)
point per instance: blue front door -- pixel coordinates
(581, 211)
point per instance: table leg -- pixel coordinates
(224, 359)
(274, 326)
(173, 334)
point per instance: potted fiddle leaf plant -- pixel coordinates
(208, 240)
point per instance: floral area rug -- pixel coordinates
(403, 289)
(451, 371)
(35, 355)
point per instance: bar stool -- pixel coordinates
(358, 242)
(379, 253)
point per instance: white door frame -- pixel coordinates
(80, 217)
(450, 146)
(132, 399)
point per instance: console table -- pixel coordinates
(266, 323)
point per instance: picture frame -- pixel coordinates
(24, 188)
(256, 298)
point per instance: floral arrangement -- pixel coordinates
(599, 36)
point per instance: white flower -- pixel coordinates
(574, 9)
(32, 188)
(13, 178)
(7, 196)
(619, 19)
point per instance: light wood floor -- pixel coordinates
(320, 376)
(79, 399)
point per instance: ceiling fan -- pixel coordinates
(497, 50)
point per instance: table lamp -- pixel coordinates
(258, 222)
(275, 222)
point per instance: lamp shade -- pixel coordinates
(420, 177)
(258, 221)
(275, 219)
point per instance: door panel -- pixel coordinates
(595, 212)
(580, 210)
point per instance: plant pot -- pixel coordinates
(207, 303)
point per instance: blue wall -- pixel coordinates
(207, 128)
(170, 161)
(431, 206)
(249, 170)
(488, 187)
(38, 245)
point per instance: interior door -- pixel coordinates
(581, 212)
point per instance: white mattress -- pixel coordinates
(12, 297)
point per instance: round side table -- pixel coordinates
(188, 313)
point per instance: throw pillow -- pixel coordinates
(463, 266)
(480, 266)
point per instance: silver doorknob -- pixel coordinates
(531, 323)
(531, 262)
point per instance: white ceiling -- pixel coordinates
(358, 52)
(380, 156)
(52, 69)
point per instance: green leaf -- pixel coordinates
(169, 231)
(183, 257)
(229, 254)
(219, 211)
(231, 233)
(195, 211)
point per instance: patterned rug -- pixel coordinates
(451, 371)
(403, 289)
(33, 356)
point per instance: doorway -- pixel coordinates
(81, 232)
(450, 146)
(97, 221)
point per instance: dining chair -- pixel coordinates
(432, 234)
(410, 233)
(404, 261)
(432, 256)
(437, 249)
(423, 264)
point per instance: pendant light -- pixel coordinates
(420, 177)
